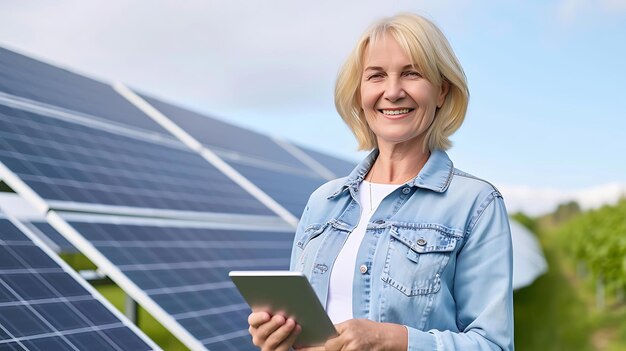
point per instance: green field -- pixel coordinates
(558, 311)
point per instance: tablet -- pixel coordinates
(290, 294)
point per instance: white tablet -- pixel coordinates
(290, 294)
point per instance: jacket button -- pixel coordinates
(421, 242)
(406, 190)
(363, 269)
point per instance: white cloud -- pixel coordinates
(617, 5)
(569, 12)
(538, 201)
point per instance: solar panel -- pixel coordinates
(273, 168)
(290, 189)
(70, 162)
(339, 167)
(222, 136)
(44, 305)
(40, 82)
(50, 237)
(178, 270)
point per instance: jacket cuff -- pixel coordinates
(421, 340)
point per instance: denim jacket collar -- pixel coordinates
(435, 175)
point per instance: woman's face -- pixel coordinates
(398, 102)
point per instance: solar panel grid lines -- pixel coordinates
(338, 166)
(121, 280)
(45, 305)
(207, 154)
(157, 116)
(217, 134)
(290, 190)
(37, 107)
(257, 192)
(95, 166)
(49, 84)
(50, 236)
(265, 167)
(65, 206)
(306, 159)
(178, 270)
(19, 186)
(230, 156)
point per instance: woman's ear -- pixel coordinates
(445, 88)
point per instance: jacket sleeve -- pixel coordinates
(482, 288)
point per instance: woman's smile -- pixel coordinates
(396, 113)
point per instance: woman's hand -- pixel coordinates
(363, 334)
(272, 333)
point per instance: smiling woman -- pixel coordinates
(407, 252)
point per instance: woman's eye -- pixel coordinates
(374, 76)
(412, 74)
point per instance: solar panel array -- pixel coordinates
(276, 171)
(176, 220)
(45, 306)
(65, 161)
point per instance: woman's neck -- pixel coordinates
(396, 165)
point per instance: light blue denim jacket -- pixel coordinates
(436, 256)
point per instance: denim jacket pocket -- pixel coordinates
(311, 232)
(415, 259)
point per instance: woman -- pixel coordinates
(407, 252)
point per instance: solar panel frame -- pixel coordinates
(68, 273)
(144, 295)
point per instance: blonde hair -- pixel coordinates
(433, 57)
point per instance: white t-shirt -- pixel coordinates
(339, 304)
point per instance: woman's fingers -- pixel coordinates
(255, 319)
(272, 332)
(263, 332)
(277, 331)
(291, 330)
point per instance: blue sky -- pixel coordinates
(547, 107)
(547, 95)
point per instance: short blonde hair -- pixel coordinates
(433, 57)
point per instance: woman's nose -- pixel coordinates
(394, 90)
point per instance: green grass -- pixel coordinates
(78, 261)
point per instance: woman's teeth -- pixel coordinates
(396, 112)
